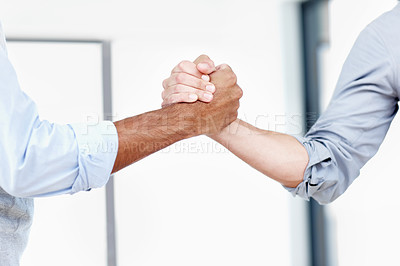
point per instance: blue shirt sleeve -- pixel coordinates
(355, 123)
(40, 158)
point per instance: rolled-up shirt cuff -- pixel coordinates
(98, 147)
(314, 175)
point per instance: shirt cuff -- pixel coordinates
(98, 148)
(314, 175)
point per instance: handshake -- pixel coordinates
(211, 93)
(199, 98)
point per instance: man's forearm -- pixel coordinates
(144, 134)
(279, 156)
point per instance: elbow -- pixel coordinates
(292, 183)
(329, 180)
(293, 176)
(329, 173)
(322, 182)
(293, 171)
(324, 191)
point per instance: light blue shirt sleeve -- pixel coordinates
(358, 117)
(39, 158)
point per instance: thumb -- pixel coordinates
(204, 64)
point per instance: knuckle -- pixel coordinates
(182, 64)
(164, 83)
(204, 56)
(232, 77)
(180, 77)
(239, 92)
(226, 67)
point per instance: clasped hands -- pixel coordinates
(211, 93)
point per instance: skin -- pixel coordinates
(142, 135)
(279, 156)
(190, 82)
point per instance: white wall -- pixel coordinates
(185, 206)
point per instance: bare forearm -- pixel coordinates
(279, 156)
(142, 135)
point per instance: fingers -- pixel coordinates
(200, 71)
(182, 93)
(188, 80)
(204, 64)
(179, 98)
(186, 97)
(225, 67)
(187, 67)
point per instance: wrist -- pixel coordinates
(226, 132)
(183, 120)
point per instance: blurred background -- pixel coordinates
(194, 203)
